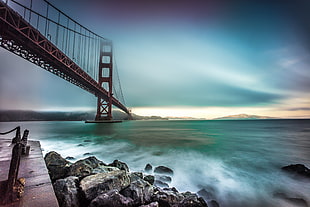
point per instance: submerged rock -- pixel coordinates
(205, 194)
(84, 167)
(94, 185)
(293, 200)
(120, 165)
(214, 203)
(69, 158)
(148, 168)
(135, 176)
(140, 191)
(163, 178)
(150, 179)
(161, 184)
(111, 199)
(67, 192)
(163, 170)
(57, 166)
(298, 169)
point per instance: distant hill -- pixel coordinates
(243, 117)
(24, 115)
(20, 115)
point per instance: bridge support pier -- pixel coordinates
(104, 106)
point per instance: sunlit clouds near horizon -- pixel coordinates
(201, 59)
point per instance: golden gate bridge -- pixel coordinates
(44, 35)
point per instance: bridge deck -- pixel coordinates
(38, 190)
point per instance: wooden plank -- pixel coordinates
(38, 189)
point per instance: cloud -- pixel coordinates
(299, 109)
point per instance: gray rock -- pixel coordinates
(100, 183)
(104, 169)
(298, 169)
(192, 200)
(163, 178)
(67, 192)
(150, 179)
(120, 165)
(161, 184)
(111, 199)
(140, 191)
(167, 197)
(135, 176)
(84, 167)
(148, 168)
(291, 199)
(214, 203)
(153, 204)
(170, 197)
(57, 166)
(163, 170)
(207, 195)
(69, 158)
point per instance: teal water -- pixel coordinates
(237, 161)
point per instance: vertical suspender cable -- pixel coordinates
(67, 42)
(38, 19)
(46, 17)
(74, 43)
(30, 11)
(57, 30)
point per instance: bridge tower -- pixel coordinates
(104, 107)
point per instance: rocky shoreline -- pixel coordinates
(90, 182)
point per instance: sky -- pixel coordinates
(203, 59)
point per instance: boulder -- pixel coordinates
(135, 176)
(69, 158)
(84, 167)
(161, 184)
(153, 204)
(298, 201)
(192, 200)
(163, 170)
(67, 192)
(170, 197)
(207, 195)
(150, 179)
(163, 178)
(167, 197)
(100, 183)
(120, 165)
(214, 203)
(298, 169)
(148, 168)
(103, 169)
(140, 191)
(111, 199)
(57, 166)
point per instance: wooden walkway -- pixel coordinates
(39, 191)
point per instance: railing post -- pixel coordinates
(13, 188)
(13, 173)
(25, 147)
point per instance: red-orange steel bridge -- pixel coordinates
(42, 34)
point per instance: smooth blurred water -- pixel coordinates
(237, 161)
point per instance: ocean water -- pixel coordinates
(237, 162)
